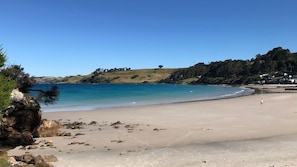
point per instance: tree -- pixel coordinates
(6, 87)
(7, 84)
(23, 80)
(2, 58)
(160, 66)
(276, 61)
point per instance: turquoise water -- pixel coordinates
(99, 96)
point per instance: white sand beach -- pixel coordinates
(228, 132)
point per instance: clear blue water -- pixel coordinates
(99, 96)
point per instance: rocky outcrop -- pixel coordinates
(20, 120)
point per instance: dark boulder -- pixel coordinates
(19, 122)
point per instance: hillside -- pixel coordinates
(128, 76)
(276, 66)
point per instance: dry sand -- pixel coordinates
(228, 132)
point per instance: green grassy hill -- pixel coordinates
(129, 76)
(137, 76)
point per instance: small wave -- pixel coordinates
(243, 92)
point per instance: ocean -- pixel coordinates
(100, 96)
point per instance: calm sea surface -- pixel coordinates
(99, 96)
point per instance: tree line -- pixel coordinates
(102, 70)
(274, 64)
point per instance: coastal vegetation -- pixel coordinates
(7, 83)
(276, 66)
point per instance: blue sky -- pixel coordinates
(70, 37)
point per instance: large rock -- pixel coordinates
(20, 121)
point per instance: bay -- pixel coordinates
(99, 96)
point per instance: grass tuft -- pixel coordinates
(4, 162)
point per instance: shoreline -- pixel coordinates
(246, 91)
(234, 131)
(273, 88)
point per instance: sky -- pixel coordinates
(75, 37)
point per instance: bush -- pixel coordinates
(6, 88)
(134, 76)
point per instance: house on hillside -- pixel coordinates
(272, 79)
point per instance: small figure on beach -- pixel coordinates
(261, 101)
